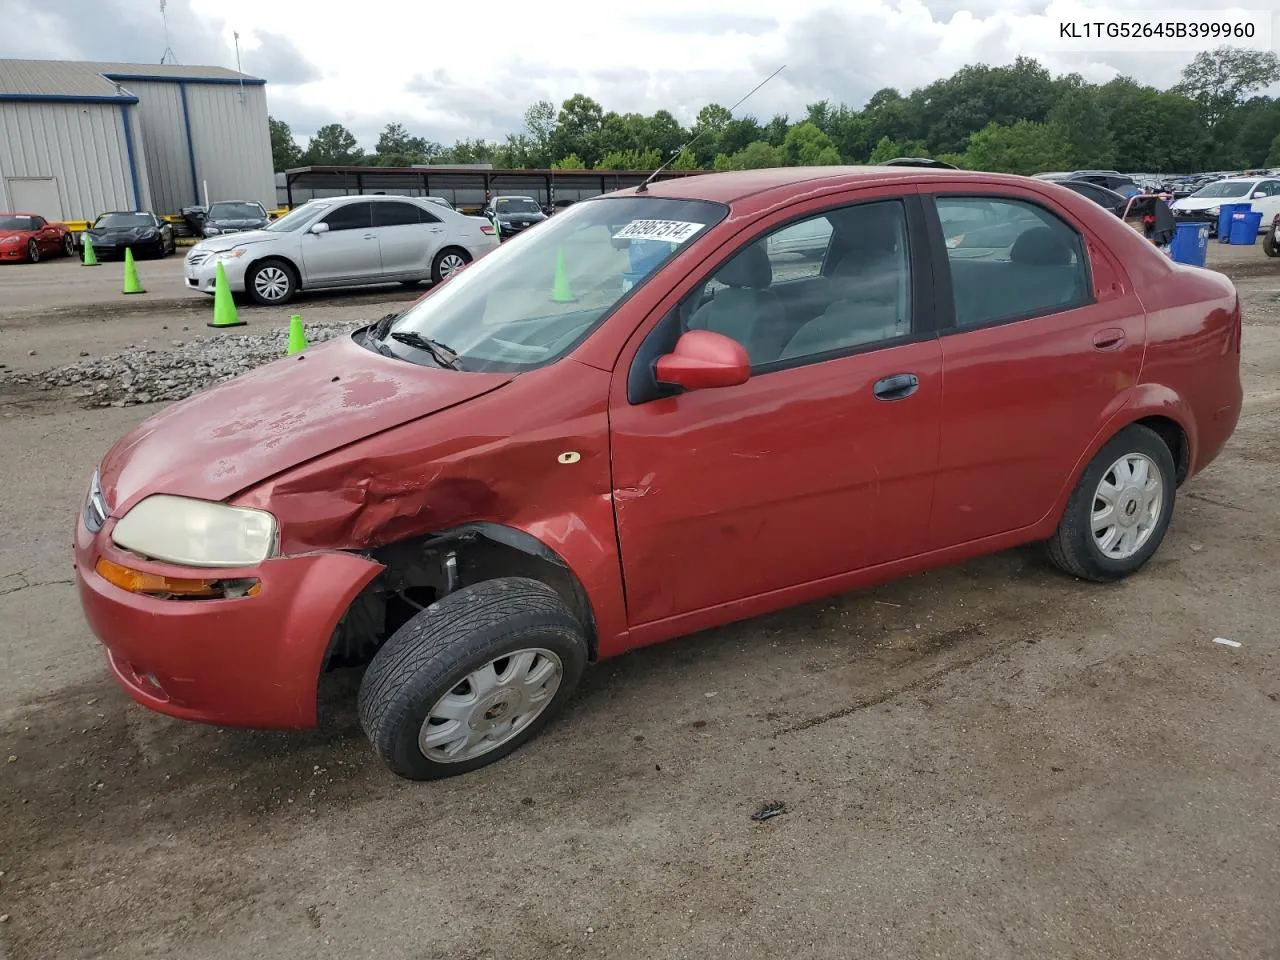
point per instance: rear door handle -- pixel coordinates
(898, 387)
(1108, 339)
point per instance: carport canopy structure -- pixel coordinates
(465, 187)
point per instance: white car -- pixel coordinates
(342, 242)
(1263, 193)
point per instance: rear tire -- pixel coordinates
(448, 262)
(68, 246)
(1120, 510)
(471, 678)
(271, 283)
(1269, 246)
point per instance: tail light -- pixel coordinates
(487, 229)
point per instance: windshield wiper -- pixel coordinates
(439, 352)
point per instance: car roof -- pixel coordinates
(733, 186)
(16, 213)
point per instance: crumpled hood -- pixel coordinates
(232, 436)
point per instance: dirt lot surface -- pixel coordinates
(990, 761)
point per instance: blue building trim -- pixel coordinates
(191, 146)
(128, 148)
(161, 78)
(63, 98)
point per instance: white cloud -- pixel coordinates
(446, 74)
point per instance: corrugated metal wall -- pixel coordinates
(232, 141)
(164, 141)
(82, 145)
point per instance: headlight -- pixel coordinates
(1213, 211)
(211, 231)
(229, 254)
(196, 533)
(10, 241)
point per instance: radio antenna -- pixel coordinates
(645, 186)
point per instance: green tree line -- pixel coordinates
(1014, 119)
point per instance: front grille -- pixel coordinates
(96, 510)
(197, 257)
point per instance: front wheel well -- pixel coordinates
(1175, 438)
(277, 258)
(419, 571)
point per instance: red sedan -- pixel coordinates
(26, 236)
(665, 409)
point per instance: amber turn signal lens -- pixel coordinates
(135, 581)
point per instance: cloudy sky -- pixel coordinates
(447, 75)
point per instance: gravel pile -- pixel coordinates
(174, 371)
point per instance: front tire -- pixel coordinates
(1120, 510)
(33, 251)
(471, 678)
(1269, 246)
(271, 283)
(448, 262)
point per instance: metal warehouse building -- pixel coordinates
(78, 139)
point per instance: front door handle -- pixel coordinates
(1108, 339)
(898, 387)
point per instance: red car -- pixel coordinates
(25, 236)
(663, 410)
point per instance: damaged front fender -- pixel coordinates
(532, 458)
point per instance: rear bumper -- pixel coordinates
(248, 662)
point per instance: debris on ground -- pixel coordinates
(769, 811)
(155, 375)
(1225, 642)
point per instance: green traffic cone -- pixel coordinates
(224, 308)
(497, 229)
(131, 284)
(90, 258)
(560, 290)
(297, 335)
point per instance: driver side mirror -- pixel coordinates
(318, 228)
(703, 359)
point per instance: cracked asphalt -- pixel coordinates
(989, 761)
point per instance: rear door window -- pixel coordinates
(1011, 260)
(393, 213)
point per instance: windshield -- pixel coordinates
(297, 217)
(516, 205)
(237, 211)
(533, 300)
(17, 223)
(1224, 188)
(124, 220)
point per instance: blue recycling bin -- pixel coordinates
(1190, 243)
(1245, 227)
(1225, 213)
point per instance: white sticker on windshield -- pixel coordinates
(672, 231)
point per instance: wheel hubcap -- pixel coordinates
(34, 251)
(272, 283)
(451, 264)
(1127, 506)
(490, 706)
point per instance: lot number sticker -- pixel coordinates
(671, 231)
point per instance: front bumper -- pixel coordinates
(17, 251)
(200, 271)
(248, 662)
